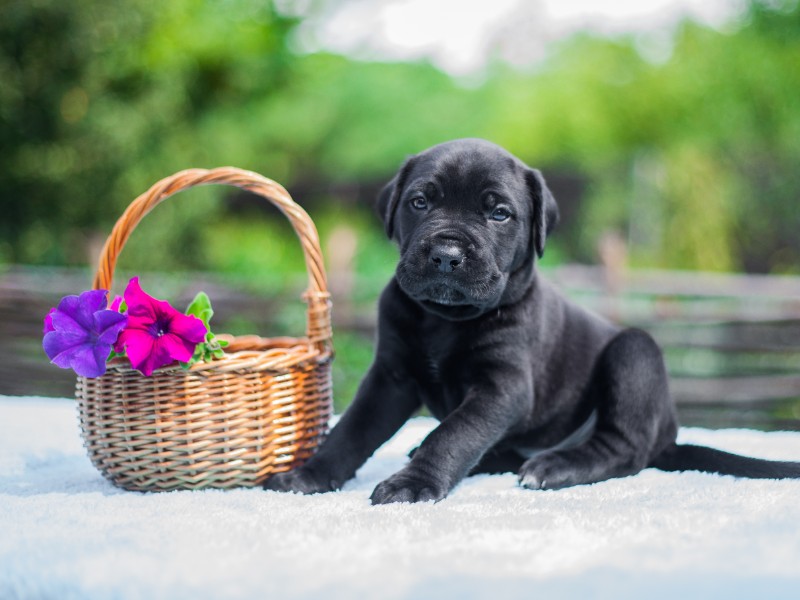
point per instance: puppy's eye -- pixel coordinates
(419, 203)
(500, 214)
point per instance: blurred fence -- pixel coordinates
(732, 342)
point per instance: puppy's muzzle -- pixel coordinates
(446, 257)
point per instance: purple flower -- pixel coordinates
(48, 321)
(79, 333)
(156, 334)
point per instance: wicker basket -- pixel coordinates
(232, 422)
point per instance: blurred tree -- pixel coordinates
(694, 156)
(101, 99)
(692, 151)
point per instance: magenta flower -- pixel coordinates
(116, 304)
(156, 334)
(79, 333)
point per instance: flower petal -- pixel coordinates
(188, 327)
(117, 303)
(83, 361)
(162, 355)
(176, 347)
(146, 353)
(101, 352)
(59, 346)
(108, 325)
(66, 323)
(48, 321)
(141, 312)
(89, 360)
(119, 345)
(81, 308)
(94, 300)
(138, 345)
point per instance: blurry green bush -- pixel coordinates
(692, 154)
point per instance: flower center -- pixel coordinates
(159, 328)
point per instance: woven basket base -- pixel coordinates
(202, 429)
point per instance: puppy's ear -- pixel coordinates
(545, 209)
(389, 197)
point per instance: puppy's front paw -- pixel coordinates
(407, 486)
(547, 471)
(300, 480)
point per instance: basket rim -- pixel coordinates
(250, 352)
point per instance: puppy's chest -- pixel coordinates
(443, 377)
(440, 355)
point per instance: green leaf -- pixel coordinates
(200, 307)
(114, 354)
(211, 348)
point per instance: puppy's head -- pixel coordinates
(467, 216)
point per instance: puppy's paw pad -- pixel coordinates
(532, 481)
(299, 480)
(546, 471)
(402, 487)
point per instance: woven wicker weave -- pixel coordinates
(231, 422)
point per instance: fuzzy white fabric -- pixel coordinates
(67, 533)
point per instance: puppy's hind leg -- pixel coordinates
(635, 421)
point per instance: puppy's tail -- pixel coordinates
(680, 457)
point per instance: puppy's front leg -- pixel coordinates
(445, 457)
(385, 400)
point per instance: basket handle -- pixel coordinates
(318, 323)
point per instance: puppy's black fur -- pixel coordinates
(521, 379)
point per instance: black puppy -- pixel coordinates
(521, 379)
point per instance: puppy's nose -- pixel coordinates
(447, 258)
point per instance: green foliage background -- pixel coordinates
(693, 155)
(694, 158)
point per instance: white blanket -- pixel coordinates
(67, 533)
